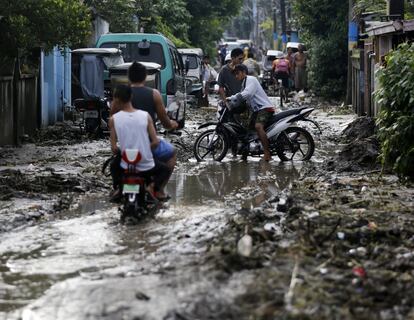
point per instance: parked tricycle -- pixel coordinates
(91, 90)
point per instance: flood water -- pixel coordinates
(64, 268)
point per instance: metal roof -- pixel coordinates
(294, 45)
(99, 51)
(381, 28)
(148, 65)
(197, 51)
(275, 53)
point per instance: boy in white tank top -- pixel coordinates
(134, 129)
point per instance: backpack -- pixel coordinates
(283, 66)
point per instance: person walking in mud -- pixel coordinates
(208, 74)
(291, 57)
(134, 129)
(299, 66)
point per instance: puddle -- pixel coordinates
(213, 182)
(89, 243)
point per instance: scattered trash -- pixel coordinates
(323, 270)
(245, 244)
(270, 226)
(359, 272)
(372, 225)
(341, 235)
(141, 296)
(312, 214)
(360, 252)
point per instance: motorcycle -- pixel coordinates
(287, 141)
(137, 201)
(95, 115)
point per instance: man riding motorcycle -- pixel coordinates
(263, 110)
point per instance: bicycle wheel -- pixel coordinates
(296, 144)
(210, 145)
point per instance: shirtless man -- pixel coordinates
(299, 65)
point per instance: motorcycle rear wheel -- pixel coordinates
(210, 145)
(295, 144)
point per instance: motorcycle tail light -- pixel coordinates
(91, 105)
(133, 180)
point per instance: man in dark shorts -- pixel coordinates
(150, 100)
(256, 98)
(134, 129)
(281, 70)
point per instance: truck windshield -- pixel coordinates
(131, 52)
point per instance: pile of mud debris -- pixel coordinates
(328, 248)
(361, 148)
(337, 244)
(62, 133)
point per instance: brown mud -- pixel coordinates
(334, 239)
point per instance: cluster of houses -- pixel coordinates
(39, 99)
(377, 36)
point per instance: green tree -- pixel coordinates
(170, 17)
(396, 119)
(26, 24)
(119, 13)
(323, 27)
(209, 18)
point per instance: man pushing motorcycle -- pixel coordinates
(263, 110)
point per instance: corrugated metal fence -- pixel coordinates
(357, 82)
(19, 107)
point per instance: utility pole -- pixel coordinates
(283, 22)
(352, 43)
(255, 21)
(275, 35)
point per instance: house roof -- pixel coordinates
(381, 28)
(408, 25)
(376, 28)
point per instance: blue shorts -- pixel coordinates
(164, 151)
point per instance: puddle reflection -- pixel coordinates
(203, 182)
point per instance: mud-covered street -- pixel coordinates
(332, 238)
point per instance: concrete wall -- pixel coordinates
(19, 107)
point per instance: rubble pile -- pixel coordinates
(351, 246)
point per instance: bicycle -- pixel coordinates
(280, 90)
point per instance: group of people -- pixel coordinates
(233, 82)
(291, 69)
(136, 107)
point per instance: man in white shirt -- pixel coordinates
(253, 93)
(134, 129)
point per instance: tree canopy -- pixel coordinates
(186, 22)
(323, 27)
(26, 24)
(396, 119)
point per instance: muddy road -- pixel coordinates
(64, 254)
